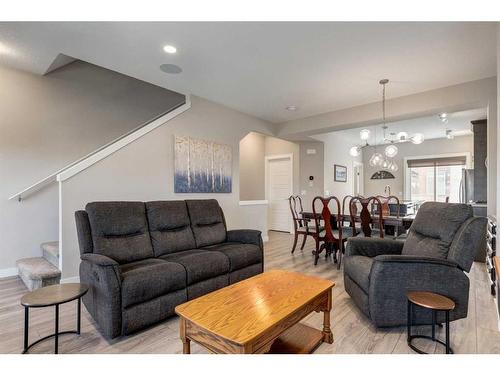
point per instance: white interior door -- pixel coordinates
(279, 189)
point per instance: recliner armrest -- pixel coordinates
(248, 236)
(99, 260)
(414, 259)
(103, 301)
(372, 247)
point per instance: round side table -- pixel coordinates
(435, 302)
(53, 295)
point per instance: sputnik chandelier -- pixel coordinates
(385, 161)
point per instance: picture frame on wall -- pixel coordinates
(202, 166)
(339, 173)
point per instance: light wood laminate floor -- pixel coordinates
(352, 331)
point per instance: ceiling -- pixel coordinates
(260, 68)
(431, 127)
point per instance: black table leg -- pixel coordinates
(447, 332)
(408, 322)
(434, 324)
(79, 316)
(26, 328)
(56, 333)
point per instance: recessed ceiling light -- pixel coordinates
(170, 49)
(170, 68)
(291, 108)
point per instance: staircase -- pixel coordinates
(41, 271)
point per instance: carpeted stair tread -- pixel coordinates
(50, 252)
(38, 272)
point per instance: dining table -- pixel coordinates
(387, 220)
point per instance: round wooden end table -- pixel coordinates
(53, 295)
(435, 302)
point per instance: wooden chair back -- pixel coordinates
(366, 216)
(386, 200)
(295, 203)
(325, 216)
(347, 199)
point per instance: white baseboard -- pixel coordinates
(75, 279)
(8, 272)
(254, 203)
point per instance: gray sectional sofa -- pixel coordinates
(143, 259)
(436, 256)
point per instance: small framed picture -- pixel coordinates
(340, 173)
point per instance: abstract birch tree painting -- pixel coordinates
(202, 166)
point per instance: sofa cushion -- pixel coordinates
(358, 268)
(200, 264)
(146, 279)
(207, 221)
(120, 230)
(169, 227)
(240, 255)
(434, 228)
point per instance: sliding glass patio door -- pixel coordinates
(435, 179)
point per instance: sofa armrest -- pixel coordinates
(393, 276)
(249, 236)
(103, 301)
(372, 247)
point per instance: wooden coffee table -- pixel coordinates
(259, 315)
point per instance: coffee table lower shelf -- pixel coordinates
(298, 339)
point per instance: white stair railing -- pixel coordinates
(103, 152)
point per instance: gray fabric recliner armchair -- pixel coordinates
(439, 250)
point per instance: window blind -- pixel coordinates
(437, 162)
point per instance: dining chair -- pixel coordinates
(390, 207)
(346, 198)
(301, 226)
(371, 223)
(330, 237)
(346, 212)
(386, 204)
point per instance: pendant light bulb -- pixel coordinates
(391, 151)
(355, 151)
(364, 134)
(417, 138)
(377, 159)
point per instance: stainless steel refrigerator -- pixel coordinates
(467, 186)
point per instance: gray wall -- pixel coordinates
(143, 171)
(47, 122)
(429, 147)
(337, 147)
(254, 147)
(311, 165)
(252, 170)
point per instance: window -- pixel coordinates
(435, 179)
